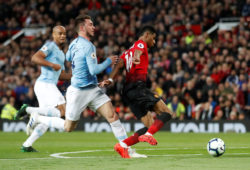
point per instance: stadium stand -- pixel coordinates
(209, 71)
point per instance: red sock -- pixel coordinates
(132, 139)
(155, 127)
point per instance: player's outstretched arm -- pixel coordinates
(114, 72)
(95, 68)
(39, 58)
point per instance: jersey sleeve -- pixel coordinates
(63, 67)
(47, 48)
(68, 56)
(139, 45)
(94, 67)
(123, 57)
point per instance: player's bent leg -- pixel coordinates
(70, 125)
(147, 120)
(164, 115)
(39, 130)
(119, 131)
(161, 107)
(132, 140)
(52, 122)
(62, 109)
(106, 110)
(21, 112)
(31, 124)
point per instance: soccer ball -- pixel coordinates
(216, 147)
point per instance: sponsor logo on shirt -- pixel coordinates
(44, 48)
(93, 55)
(140, 45)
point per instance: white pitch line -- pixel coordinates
(59, 155)
(12, 159)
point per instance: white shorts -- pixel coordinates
(48, 94)
(79, 99)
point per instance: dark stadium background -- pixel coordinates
(202, 52)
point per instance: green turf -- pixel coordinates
(174, 151)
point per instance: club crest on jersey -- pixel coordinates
(44, 48)
(93, 55)
(140, 45)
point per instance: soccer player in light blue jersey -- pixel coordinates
(51, 102)
(84, 91)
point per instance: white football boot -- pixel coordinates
(133, 154)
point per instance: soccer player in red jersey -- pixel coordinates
(140, 99)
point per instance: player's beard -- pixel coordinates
(89, 35)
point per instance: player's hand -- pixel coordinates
(105, 83)
(56, 67)
(114, 59)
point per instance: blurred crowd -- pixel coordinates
(200, 76)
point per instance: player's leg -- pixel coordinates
(51, 102)
(101, 103)
(50, 111)
(39, 130)
(147, 120)
(70, 125)
(48, 97)
(119, 132)
(106, 110)
(163, 115)
(141, 101)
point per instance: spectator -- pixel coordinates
(182, 54)
(9, 111)
(177, 107)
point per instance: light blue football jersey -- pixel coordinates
(54, 55)
(82, 55)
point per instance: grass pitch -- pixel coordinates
(79, 150)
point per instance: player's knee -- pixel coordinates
(164, 117)
(112, 117)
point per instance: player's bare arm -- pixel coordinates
(114, 59)
(65, 76)
(137, 55)
(39, 58)
(114, 72)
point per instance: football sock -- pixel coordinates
(53, 122)
(158, 123)
(39, 130)
(119, 131)
(134, 138)
(45, 111)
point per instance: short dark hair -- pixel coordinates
(80, 19)
(147, 28)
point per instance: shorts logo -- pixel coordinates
(44, 48)
(140, 45)
(156, 96)
(93, 55)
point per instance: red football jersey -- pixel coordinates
(136, 72)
